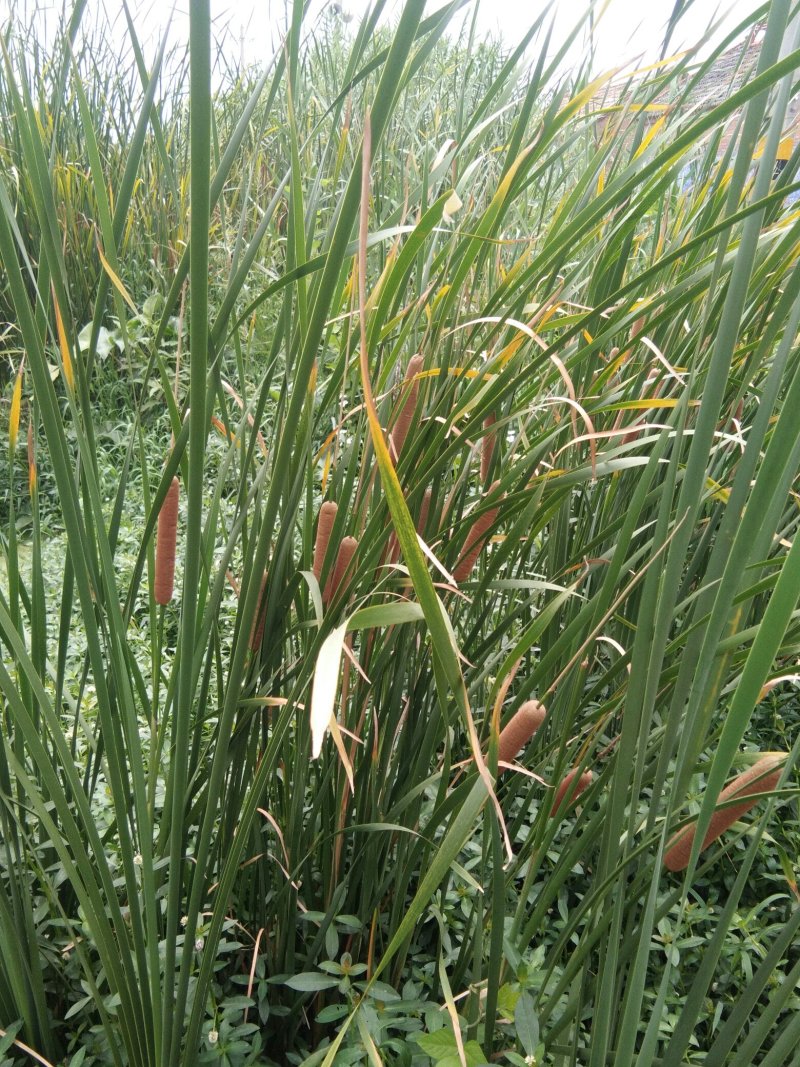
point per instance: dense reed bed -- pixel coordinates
(476, 407)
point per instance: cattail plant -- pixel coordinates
(327, 517)
(762, 777)
(257, 627)
(403, 424)
(570, 788)
(519, 729)
(487, 447)
(393, 546)
(347, 549)
(165, 544)
(476, 539)
(425, 507)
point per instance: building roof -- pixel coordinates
(726, 75)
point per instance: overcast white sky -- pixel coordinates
(627, 30)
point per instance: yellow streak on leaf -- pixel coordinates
(719, 492)
(116, 281)
(16, 404)
(326, 469)
(66, 358)
(651, 133)
(31, 461)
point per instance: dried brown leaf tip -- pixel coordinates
(327, 517)
(166, 540)
(519, 729)
(762, 777)
(344, 557)
(571, 786)
(476, 539)
(407, 411)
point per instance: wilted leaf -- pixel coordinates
(326, 683)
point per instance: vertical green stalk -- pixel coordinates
(200, 164)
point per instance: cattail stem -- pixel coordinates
(519, 729)
(487, 447)
(166, 539)
(407, 411)
(762, 777)
(327, 516)
(572, 787)
(476, 539)
(257, 627)
(347, 549)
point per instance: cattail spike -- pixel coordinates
(327, 517)
(404, 419)
(762, 777)
(578, 787)
(257, 627)
(392, 548)
(519, 729)
(476, 539)
(347, 549)
(487, 448)
(425, 507)
(166, 539)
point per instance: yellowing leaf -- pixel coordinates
(452, 205)
(116, 281)
(31, 461)
(66, 358)
(586, 94)
(326, 469)
(651, 133)
(718, 492)
(16, 404)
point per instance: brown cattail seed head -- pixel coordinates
(425, 507)
(762, 777)
(476, 538)
(519, 729)
(327, 516)
(257, 629)
(572, 787)
(347, 549)
(166, 539)
(487, 448)
(392, 548)
(403, 424)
